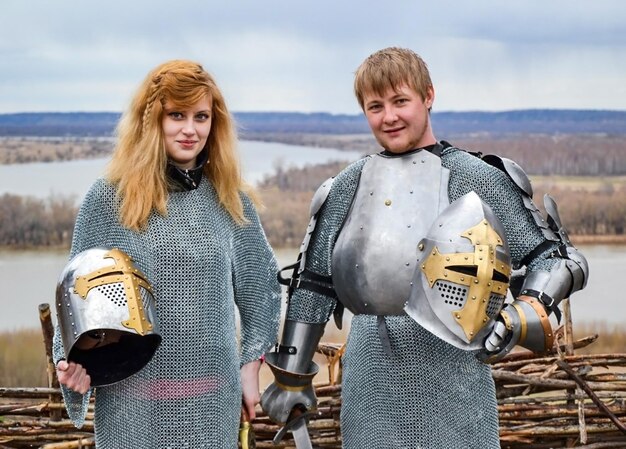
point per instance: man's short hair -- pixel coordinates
(390, 68)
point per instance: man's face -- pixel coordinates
(399, 119)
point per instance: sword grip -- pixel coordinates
(246, 432)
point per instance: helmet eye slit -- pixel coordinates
(471, 270)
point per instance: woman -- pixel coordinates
(173, 199)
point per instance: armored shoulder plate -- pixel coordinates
(521, 180)
(513, 170)
(319, 198)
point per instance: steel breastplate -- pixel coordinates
(375, 254)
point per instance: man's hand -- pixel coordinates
(73, 376)
(524, 322)
(250, 396)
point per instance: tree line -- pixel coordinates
(599, 209)
(27, 222)
(33, 222)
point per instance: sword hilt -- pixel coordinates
(246, 431)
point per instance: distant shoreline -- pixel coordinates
(598, 239)
(616, 240)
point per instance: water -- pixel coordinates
(28, 278)
(258, 159)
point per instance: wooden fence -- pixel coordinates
(561, 400)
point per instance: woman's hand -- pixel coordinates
(73, 376)
(250, 396)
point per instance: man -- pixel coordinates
(389, 239)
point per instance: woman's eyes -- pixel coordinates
(203, 116)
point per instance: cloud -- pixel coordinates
(286, 55)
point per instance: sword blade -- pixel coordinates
(301, 435)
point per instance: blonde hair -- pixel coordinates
(138, 165)
(390, 68)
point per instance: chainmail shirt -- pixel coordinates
(427, 394)
(202, 266)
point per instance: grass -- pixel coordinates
(22, 359)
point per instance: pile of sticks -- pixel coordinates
(562, 400)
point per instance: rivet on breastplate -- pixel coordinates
(411, 192)
(407, 264)
(414, 162)
(423, 161)
(371, 193)
(387, 202)
(484, 320)
(365, 304)
(474, 297)
(408, 226)
(420, 247)
(458, 316)
(357, 265)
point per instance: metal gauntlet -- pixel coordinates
(524, 322)
(293, 368)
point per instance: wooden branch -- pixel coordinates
(48, 332)
(585, 386)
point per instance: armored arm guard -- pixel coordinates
(293, 368)
(568, 275)
(525, 322)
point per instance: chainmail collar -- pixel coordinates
(435, 149)
(181, 180)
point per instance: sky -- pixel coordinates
(300, 56)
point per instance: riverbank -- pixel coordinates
(598, 239)
(576, 240)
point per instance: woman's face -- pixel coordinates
(185, 132)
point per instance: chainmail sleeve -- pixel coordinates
(469, 173)
(95, 217)
(305, 305)
(256, 288)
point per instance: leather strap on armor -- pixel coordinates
(307, 280)
(548, 302)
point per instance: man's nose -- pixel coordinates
(390, 115)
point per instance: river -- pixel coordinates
(28, 278)
(258, 159)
